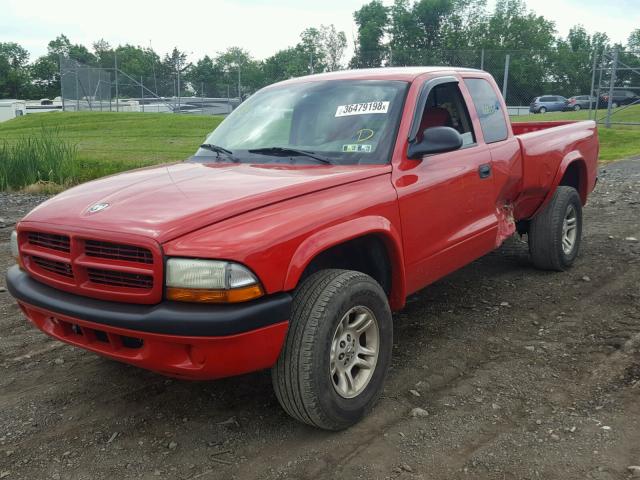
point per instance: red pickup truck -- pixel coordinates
(304, 220)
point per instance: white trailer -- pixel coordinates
(11, 109)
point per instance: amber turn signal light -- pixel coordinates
(234, 295)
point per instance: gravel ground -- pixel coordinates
(517, 374)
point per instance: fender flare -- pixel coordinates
(568, 160)
(349, 230)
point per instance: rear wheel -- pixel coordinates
(332, 367)
(542, 110)
(614, 105)
(556, 232)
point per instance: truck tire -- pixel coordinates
(555, 233)
(332, 367)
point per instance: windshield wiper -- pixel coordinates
(285, 152)
(218, 150)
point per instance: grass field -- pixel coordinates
(112, 142)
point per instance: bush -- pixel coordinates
(45, 159)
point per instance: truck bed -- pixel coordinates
(547, 147)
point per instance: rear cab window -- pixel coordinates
(489, 109)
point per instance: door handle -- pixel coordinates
(484, 170)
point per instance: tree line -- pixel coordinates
(408, 32)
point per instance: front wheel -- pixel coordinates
(337, 352)
(556, 232)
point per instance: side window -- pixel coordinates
(489, 109)
(446, 107)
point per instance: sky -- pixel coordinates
(262, 27)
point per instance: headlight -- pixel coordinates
(14, 245)
(210, 281)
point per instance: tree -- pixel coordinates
(333, 44)
(207, 78)
(633, 42)
(573, 60)
(240, 71)
(45, 78)
(311, 46)
(371, 20)
(14, 73)
(288, 63)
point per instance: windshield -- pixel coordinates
(344, 121)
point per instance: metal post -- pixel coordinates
(115, 61)
(61, 82)
(178, 86)
(614, 65)
(311, 60)
(507, 59)
(142, 92)
(239, 86)
(77, 91)
(604, 52)
(593, 82)
(482, 59)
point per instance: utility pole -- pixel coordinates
(115, 60)
(482, 59)
(142, 93)
(178, 71)
(593, 81)
(505, 80)
(614, 66)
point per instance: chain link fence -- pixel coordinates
(83, 87)
(522, 75)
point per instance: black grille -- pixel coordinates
(60, 268)
(120, 279)
(115, 251)
(49, 240)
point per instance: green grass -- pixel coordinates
(617, 142)
(112, 142)
(44, 159)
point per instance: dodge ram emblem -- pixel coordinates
(97, 207)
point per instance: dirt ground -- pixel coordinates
(524, 375)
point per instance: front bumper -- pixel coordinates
(183, 340)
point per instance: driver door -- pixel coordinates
(447, 200)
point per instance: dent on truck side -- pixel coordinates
(278, 241)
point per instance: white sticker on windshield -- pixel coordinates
(362, 108)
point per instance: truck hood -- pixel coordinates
(167, 201)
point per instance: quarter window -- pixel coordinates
(489, 109)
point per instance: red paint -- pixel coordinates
(434, 215)
(192, 358)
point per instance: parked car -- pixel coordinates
(549, 103)
(580, 102)
(620, 97)
(309, 215)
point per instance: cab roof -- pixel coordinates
(407, 74)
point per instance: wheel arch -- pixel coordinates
(572, 172)
(369, 244)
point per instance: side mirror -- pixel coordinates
(436, 140)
